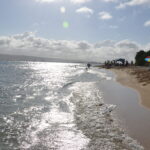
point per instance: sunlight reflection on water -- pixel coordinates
(42, 116)
(56, 106)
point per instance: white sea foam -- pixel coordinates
(95, 119)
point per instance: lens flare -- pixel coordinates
(66, 24)
(147, 59)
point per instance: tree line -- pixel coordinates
(139, 60)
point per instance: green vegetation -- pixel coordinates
(140, 58)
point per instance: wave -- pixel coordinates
(97, 121)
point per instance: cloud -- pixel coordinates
(85, 10)
(84, 45)
(147, 23)
(29, 44)
(127, 44)
(63, 10)
(105, 15)
(132, 3)
(105, 43)
(122, 49)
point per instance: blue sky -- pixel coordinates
(17, 16)
(89, 20)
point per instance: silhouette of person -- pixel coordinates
(88, 65)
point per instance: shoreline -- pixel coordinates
(137, 109)
(129, 77)
(96, 120)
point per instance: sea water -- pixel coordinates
(57, 106)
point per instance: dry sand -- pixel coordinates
(137, 78)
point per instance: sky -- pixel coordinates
(75, 29)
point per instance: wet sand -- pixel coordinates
(137, 78)
(132, 98)
(94, 118)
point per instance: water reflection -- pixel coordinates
(39, 114)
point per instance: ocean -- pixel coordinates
(57, 106)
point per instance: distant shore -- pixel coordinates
(137, 78)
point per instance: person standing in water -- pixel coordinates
(88, 66)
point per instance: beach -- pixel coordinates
(137, 78)
(132, 110)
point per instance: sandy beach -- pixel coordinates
(137, 78)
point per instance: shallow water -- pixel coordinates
(57, 106)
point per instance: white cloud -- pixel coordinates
(85, 10)
(105, 15)
(62, 10)
(147, 23)
(105, 43)
(29, 44)
(132, 3)
(127, 44)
